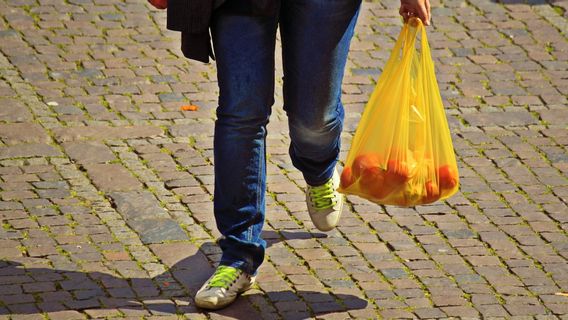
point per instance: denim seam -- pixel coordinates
(259, 193)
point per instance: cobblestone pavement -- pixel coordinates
(106, 185)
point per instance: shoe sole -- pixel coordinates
(212, 306)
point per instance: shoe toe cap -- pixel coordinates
(326, 221)
(208, 302)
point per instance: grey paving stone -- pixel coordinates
(106, 132)
(88, 152)
(14, 111)
(142, 212)
(459, 234)
(15, 133)
(112, 177)
(138, 205)
(29, 150)
(559, 116)
(186, 130)
(500, 119)
(108, 75)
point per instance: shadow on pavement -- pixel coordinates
(36, 290)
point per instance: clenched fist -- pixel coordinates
(415, 8)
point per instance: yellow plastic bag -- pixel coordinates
(402, 151)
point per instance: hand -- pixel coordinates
(159, 4)
(415, 8)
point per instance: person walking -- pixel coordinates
(315, 37)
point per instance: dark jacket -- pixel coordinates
(193, 18)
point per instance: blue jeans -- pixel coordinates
(315, 37)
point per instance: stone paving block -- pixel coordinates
(502, 74)
(88, 152)
(24, 308)
(135, 205)
(105, 132)
(186, 130)
(13, 110)
(112, 177)
(101, 313)
(17, 195)
(16, 133)
(396, 314)
(16, 299)
(519, 118)
(39, 287)
(429, 313)
(29, 150)
(558, 308)
(66, 315)
(554, 116)
(9, 249)
(242, 309)
(158, 230)
(519, 309)
(176, 255)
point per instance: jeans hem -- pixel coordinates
(245, 267)
(317, 184)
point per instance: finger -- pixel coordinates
(423, 14)
(428, 10)
(403, 11)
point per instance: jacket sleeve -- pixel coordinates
(191, 16)
(197, 46)
(192, 19)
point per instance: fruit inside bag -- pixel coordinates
(402, 152)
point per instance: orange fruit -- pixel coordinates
(447, 177)
(398, 172)
(372, 182)
(365, 161)
(347, 177)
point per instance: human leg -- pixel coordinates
(244, 47)
(315, 43)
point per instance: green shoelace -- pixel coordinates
(323, 196)
(224, 276)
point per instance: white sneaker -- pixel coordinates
(222, 288)
(325, 203)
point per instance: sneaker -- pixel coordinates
(325, 203)
(222, 288)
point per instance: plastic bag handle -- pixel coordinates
(407, 38)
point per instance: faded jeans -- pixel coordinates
(315, 36)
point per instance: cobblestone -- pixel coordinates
(106, 185)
